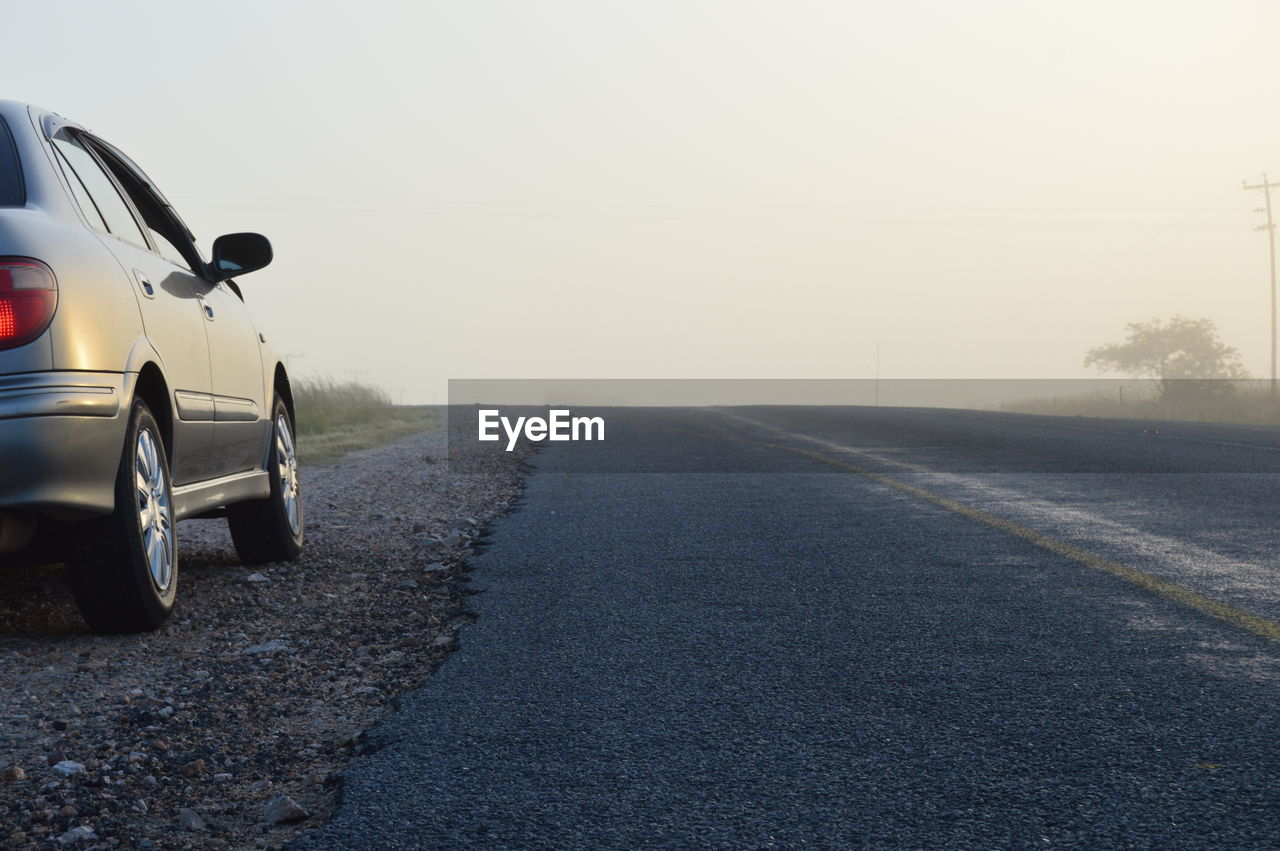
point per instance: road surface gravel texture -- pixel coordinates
(260, 687)
(857, 627)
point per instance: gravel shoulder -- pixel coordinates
(230, 727)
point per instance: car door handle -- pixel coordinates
(145, 284)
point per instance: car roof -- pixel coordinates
(14, 110)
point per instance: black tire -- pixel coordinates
(263, 529)
(118, 586)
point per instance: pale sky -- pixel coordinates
(696, 189)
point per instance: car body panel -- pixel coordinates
(240, 388)
(171, 322)
(124, 311)
(61, 438)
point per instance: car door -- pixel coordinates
(167, 297)
(240, 408)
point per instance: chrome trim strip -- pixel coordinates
(68, 394)
(193, 407)
(230, 409)
(54, 378)
(206, 496)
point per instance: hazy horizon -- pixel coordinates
(696, 189)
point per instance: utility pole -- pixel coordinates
(877, 385)
(1265, 188)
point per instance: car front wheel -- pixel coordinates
(124, 567)
(270, 529)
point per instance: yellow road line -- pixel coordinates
(1216, 609)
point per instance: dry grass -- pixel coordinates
(337, 417)
(1242, 403)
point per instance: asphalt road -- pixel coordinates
(858, 627)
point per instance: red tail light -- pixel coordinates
(28, 297)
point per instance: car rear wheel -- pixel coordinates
(124, 567)
(270, 529)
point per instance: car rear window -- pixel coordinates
(11, 191)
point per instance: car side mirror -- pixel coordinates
(239, 254)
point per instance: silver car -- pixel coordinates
(135, 389)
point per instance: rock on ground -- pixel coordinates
(282, 810)
(252, 690)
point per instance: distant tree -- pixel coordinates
(1184, 355)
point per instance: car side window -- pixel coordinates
(87, 206)
(12, 192)
(106, 201)
(167, 249)
(169, 235)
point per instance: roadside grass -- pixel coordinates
(1247, 402)
(337, 417)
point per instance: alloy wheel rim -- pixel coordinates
(287, 473)
(155, 512)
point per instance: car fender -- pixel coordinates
(140, 354)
